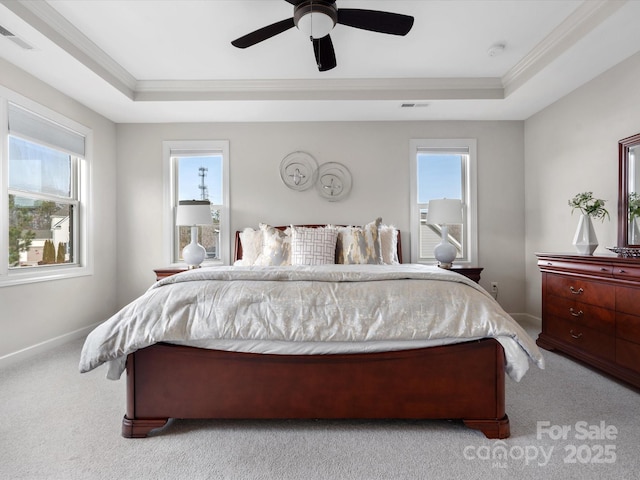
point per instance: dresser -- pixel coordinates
(591, 311)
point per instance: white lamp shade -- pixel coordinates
(445, 211)
(194, 212)
(316, 24)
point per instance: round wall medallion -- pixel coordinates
(298, 170)
(334, 181)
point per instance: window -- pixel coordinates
(198, 170)
(45, 196)
(443, 169)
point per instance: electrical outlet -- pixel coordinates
(494, 287)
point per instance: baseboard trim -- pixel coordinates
(526, 318)
(32, 351)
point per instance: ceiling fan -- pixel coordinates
(316, 19)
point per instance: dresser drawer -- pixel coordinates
(628, 354)
(628, 327)
(586, 339)
(626, 272)
(604, 269)
(584, 314)
(628, 300)
(594, 293)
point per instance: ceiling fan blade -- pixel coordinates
(296, 2)
(325, 54)
(263, 33)
(382, 22)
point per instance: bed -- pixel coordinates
(368, 369)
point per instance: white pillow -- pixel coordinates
(389, 244)
(251, 241)
(359, 245)
(276, 246)
(313, 246)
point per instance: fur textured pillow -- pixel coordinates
(359, 245)
(313, 246)
(251, 241)
(389, 244)
(276, 246)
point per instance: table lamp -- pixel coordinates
(193, 213)
(445, 212)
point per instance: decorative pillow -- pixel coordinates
(389, 244)
(251, 241)
(313, 246)
(358, 245)
(276, 246)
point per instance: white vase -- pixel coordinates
(585, 240)
(634, 231)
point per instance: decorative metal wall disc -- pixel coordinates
(334, 181)
(298, 171)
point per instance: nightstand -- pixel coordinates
(472, 273)
(168, 271)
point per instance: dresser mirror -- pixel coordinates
(629, 192)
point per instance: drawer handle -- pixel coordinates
(579, 313)
(622, 271)
(603, 269)
(575, 335)
(576, 292)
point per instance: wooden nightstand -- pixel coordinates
(168, 271)
(472, 273)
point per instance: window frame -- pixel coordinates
(470, 202)
(170, 202)
(83, 262)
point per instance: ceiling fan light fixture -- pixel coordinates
(315, 19)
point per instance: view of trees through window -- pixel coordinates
(41, 205)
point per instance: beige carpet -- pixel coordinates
(58, 424)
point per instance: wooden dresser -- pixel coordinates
(591, 311)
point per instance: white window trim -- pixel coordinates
(84, 264)
(169, 200)
(471, 230)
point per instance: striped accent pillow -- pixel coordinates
(313, 246)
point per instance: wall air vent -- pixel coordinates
(17, 40)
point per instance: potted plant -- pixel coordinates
(585, 239)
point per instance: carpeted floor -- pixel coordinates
(567, 422)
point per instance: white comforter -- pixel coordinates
(310, 310)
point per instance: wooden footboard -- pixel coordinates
(463, 381)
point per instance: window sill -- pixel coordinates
(13, 278)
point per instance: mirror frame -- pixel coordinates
(623, 189)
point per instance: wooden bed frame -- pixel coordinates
(464, 381)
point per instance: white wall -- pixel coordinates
(38, 312)
(376, 153)
(571, 147)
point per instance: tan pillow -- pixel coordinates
(359, 245)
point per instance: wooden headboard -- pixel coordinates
(238, 244)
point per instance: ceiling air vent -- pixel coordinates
(414, 105)
(17, 40)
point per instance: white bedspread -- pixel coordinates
(310, 310)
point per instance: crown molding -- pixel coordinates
(46, 19)
(583, 20)
(321, 89)
(43, 17)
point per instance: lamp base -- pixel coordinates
(445, 252)
(194, 254)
